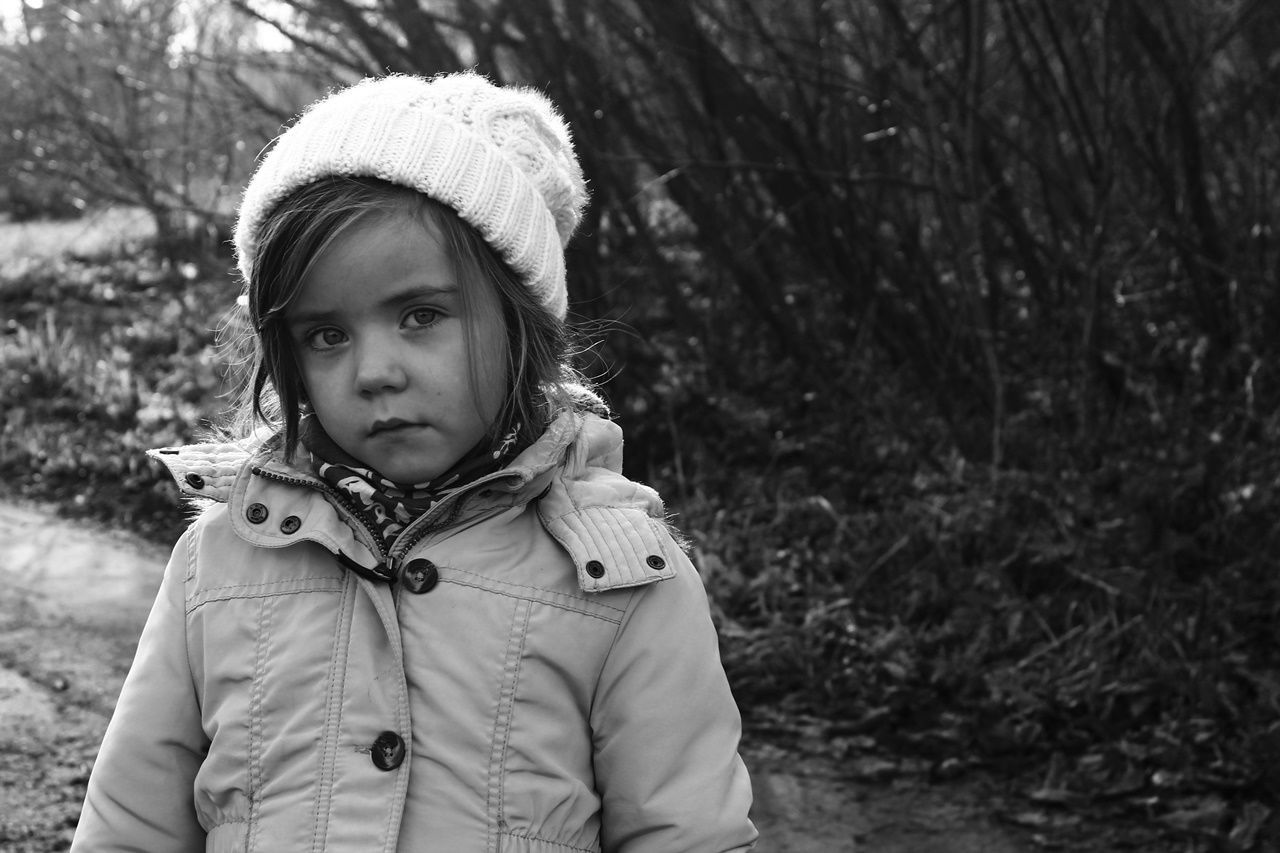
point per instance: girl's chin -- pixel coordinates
(408, 471)
(404, 457)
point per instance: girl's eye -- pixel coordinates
(422, 317)
(323, 339)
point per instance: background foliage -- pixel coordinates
(947, 327)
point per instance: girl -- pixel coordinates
(424, 611)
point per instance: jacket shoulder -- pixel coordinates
(210, 539)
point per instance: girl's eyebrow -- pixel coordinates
(400, 297)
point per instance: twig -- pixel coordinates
(882, 560)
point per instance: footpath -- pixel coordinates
(73, 602)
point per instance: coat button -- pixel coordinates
(290, 525)
(655, 562)
(256, 513)
(420, 576)
(388, 751)
(595, 568)
(195, 481)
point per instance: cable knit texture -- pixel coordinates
(501, 157)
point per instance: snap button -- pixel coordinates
(290, 525)
(256, 513)
(420, 576)
(655, 562)
(194, 480)
(388, 751)
(595, 568)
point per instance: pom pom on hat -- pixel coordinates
(501, 157)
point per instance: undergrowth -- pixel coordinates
(1100, 628)
(100, 361)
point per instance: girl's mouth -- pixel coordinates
(391, 425)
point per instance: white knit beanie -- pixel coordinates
(499, 156)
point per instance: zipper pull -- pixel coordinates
(379, 573)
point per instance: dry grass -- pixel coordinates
(24, 245)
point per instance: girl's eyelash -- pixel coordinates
(434, 314)
(309, 339)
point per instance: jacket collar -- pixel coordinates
(613, 529)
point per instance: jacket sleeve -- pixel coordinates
(141, 791)
(666, 730)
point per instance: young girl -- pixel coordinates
(424, 610)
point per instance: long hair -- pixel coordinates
(538, 372)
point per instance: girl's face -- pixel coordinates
(379, 333)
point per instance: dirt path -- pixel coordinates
(74, 601)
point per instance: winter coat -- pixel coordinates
(541, 675)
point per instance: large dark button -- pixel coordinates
(655, 562)
(256, 513)
(195, 481)
(290, 525)
(420, 576)
(388, 751)
(595, 568)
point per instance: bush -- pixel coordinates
(99, 361)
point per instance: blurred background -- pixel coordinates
(948, 330)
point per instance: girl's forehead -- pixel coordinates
(388, 256)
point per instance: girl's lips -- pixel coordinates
(380, 427)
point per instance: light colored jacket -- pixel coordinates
(553, 686)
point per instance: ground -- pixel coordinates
(75, 599)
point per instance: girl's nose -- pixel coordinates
(378, 369)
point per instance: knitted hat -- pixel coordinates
(500, 157)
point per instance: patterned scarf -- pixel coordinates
(389, 507)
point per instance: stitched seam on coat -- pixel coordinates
(446, 578)
(577, 509)
(193, 548)
(332, 585)
(560, 844)
(197, 531)
(331, 729)
(403, 725)
(613, 544)
(632, 602)
(330, 580)
(256, 724)
(391, 625)
(611, 619)
(502, 722)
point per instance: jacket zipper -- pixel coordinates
(419, 528)
(428, 523)
(347, 506)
